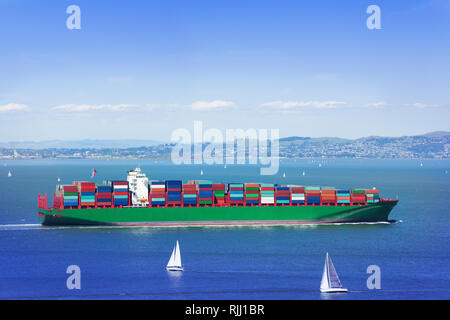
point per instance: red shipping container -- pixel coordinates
(219, 186)
(70, 189)
(120, 183)
(87, 184)
(121, 193)
(104, 195)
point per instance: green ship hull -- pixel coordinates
(219, 216)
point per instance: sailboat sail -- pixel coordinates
(332, 275)
(324, 285)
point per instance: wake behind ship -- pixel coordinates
(138, 201)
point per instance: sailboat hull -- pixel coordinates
(334, 290)
(174, 268)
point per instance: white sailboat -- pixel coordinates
(330, 280)
(201, 172)
(9, 174)
(59, 180)
(174, 263)
(303, 173)
(284, 174)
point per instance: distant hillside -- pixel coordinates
(434, 145)
(437, 134)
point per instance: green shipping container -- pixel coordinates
(252, 195)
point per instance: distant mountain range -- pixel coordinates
(135, 143)
(434, 134)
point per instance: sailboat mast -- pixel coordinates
(327, 264)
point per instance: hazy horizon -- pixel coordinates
(155, 142)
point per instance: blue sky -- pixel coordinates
(141, 69)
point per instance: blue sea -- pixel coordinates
(229, 262)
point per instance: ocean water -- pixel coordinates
(229, 262)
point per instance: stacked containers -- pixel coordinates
(219, 193)
(87, 193)
(267, 193)
(104, 195)
(373, 196)
(236, 193)
(343, 196)
(205, 192)
(358, 196)
(298, 195)
(173, 188)
(283, 195)
(190, 194)
(251, 193)
(158, 193)
(313, 195)
(120, 193)
(70, 196)
(328, 195)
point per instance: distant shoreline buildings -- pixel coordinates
(429, 146)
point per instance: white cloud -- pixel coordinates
(418, 105)
(286, 105)
(210, 105)
(14, 107)
(377, 104)
(421, 105)
(88, 107)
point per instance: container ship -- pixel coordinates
(138, 201)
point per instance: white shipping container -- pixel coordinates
(267, 200)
